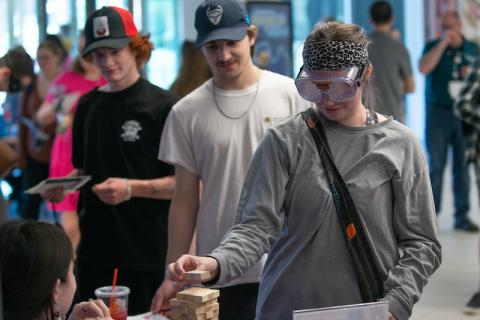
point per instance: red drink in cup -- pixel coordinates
(121, 315)
(116, 299)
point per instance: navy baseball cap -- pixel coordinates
(108, 27)
(221, 20)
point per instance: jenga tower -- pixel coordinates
(195, 304)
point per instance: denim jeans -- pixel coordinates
(444, 129)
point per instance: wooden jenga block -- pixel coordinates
(190, 304)
(196, 294)
(197, 275)
(204, 309)
(179, 310)
(211, 313)
(195, 311)
(175, 302)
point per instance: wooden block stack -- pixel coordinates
(195, 304)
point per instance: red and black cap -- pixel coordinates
(109, 27)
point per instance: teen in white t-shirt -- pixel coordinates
(210, 137)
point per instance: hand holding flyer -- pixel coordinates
(69, 184)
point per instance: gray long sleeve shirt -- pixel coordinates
(286, 209)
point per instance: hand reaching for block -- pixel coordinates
(187, 270)
(193, 269)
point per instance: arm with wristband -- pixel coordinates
(117, 190)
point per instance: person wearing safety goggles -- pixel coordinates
(289, 209)
(336, 85)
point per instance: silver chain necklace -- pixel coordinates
(243, 114)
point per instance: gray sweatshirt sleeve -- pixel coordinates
(260, 212)
(415, 227)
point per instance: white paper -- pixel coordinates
(70, 184)
(454, 88)
(363, 311)
(147, 316)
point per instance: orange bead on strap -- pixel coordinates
(351, 231)
(310, 123)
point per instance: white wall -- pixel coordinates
(414, 41)
(189, 7)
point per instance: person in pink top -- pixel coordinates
(60, 105)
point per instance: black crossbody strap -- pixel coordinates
(371, 286)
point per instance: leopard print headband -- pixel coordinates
(334, 55)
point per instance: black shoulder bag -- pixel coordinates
(371, 286)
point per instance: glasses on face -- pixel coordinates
(338, 86)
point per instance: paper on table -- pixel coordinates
(70, 184)
(147, 316)
(362, 311)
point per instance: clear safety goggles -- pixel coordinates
(339, 86)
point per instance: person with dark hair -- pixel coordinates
(338, 195)
(381, 12)
(59, 108)
(194, 70)
(116, 133)
(210, 137)
(444, 62)
(392, 69)
(16, 70)
(36, 263)
(16, 73)
(35, 141)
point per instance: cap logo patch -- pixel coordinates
(100, 27)
(214, 14)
